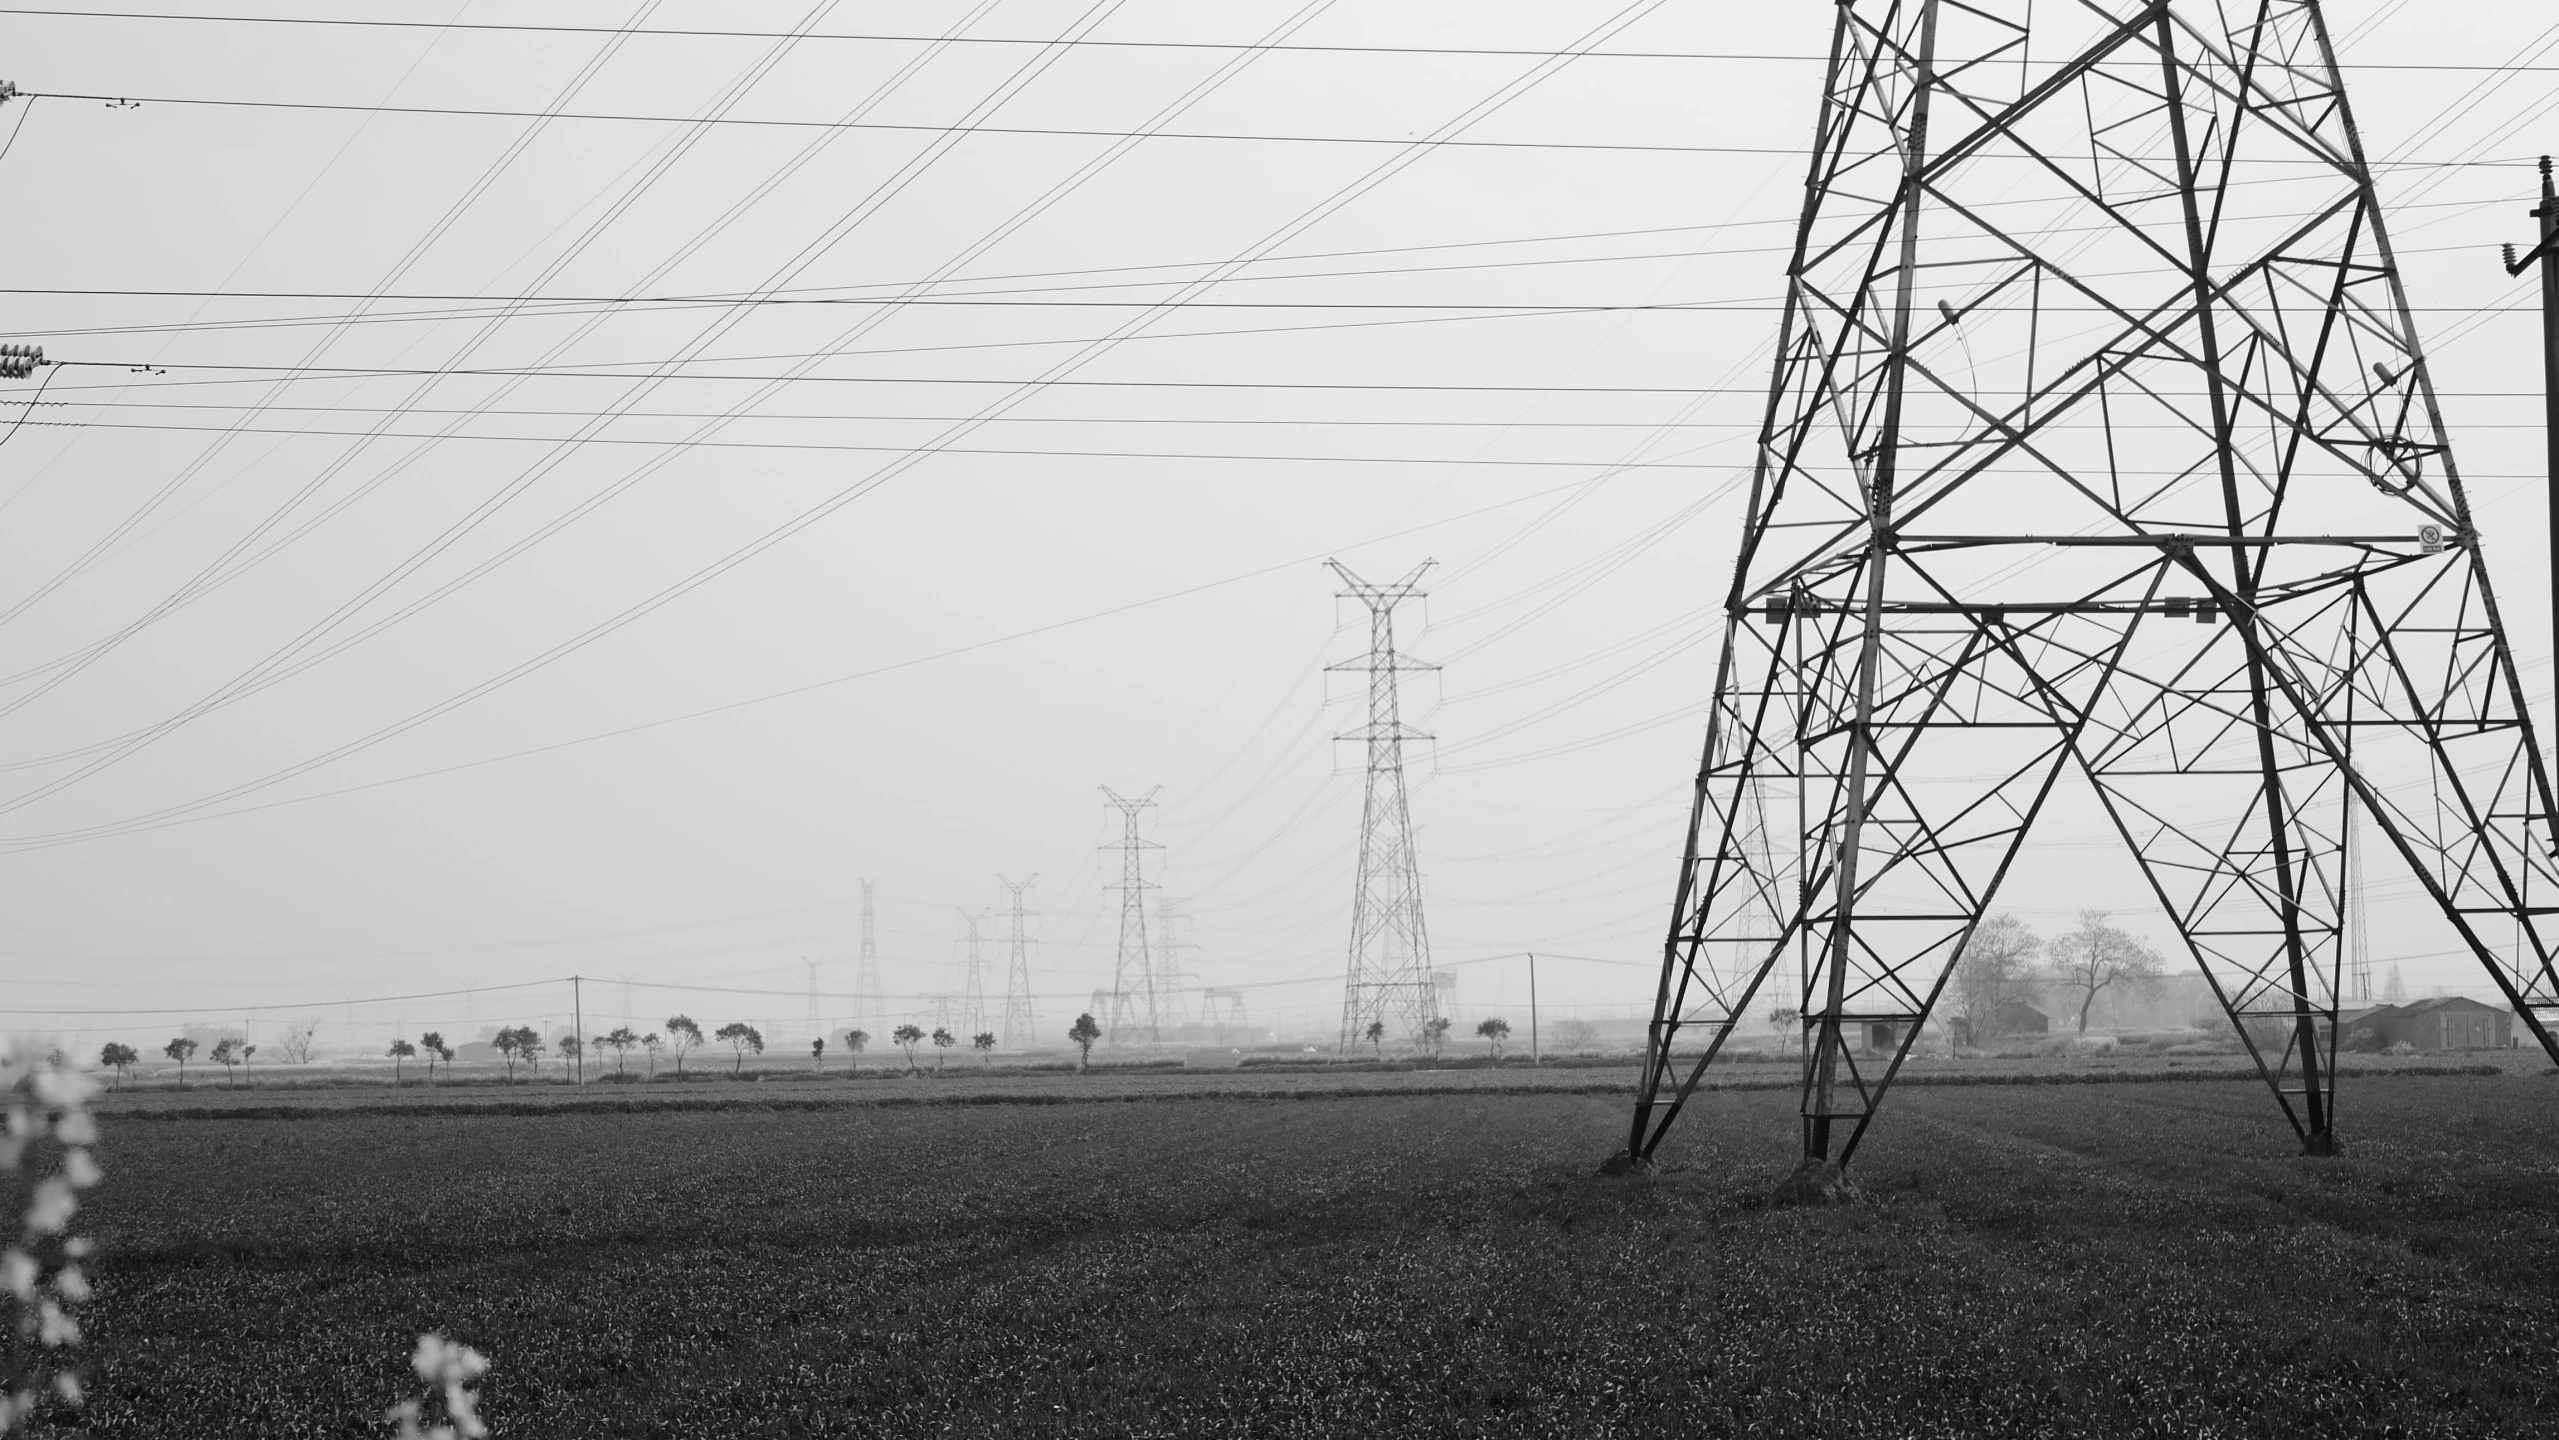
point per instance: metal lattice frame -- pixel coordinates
(1132, 1015)
(2093, 334)
(1389, 975)
(1021, 1026)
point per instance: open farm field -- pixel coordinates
(977, 1085)
(2124, 1259)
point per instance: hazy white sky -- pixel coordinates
(332, 673)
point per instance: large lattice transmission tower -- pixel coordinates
(2099, 448)
(1132, 1014)
(870, 1005)
(1021, 1027)
(1390, 950)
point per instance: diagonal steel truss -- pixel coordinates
(2099, 445)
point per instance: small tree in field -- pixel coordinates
(984, 1040)
(120, 1058)
(401, 1050)
(571, 1048)
(906, 1036)
(1995, 970)
(619, 1040)
(1783, 1019)
(740, 1037)
(1085, 1031)
(1494, 1033)
(653, 1043)
(1375, 1035)
(817, 1054)
(854, 1040)
(1435, 1034)
(520, 1042)
(681, 1035)
(178, 1050)
(226, 1053)
(431, 1045)
(943, 1040)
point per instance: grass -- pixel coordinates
(2126, 1259)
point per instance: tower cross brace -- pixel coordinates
(1389, 973)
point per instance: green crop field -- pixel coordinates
(2062, 1260)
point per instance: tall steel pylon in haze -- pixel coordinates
(2100, 448)
(1132, 1015)
(972, 997)
(1390, 951)
(1021, 1028)
(870, 1006)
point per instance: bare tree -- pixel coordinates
(296, 1044)
(1997, 966)
(1575, 1035)
(2094, 956)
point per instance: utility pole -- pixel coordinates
(817, 1026)
(1390, 953)
(2546, 255)
(869, 1007)
(1532, 1007)
(577, 1022)
(1133, 1013)
(1021, 1028)
(973, 979)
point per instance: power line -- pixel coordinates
(706, 33)
(1056, 131)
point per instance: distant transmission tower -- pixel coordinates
(870, 1007)
(1177, 980)
(2100, 452)
(1021, 1028)
(1133, 1015)
(1390, 953)
(972, 1000)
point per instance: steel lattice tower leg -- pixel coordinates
(1021, 1028)
(1390, 951)
(2100, 445)
(1132, 1014)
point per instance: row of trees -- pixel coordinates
(1434, 1034)
(2005, 962)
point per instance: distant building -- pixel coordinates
(2014, 1017)
(2449, 1022)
